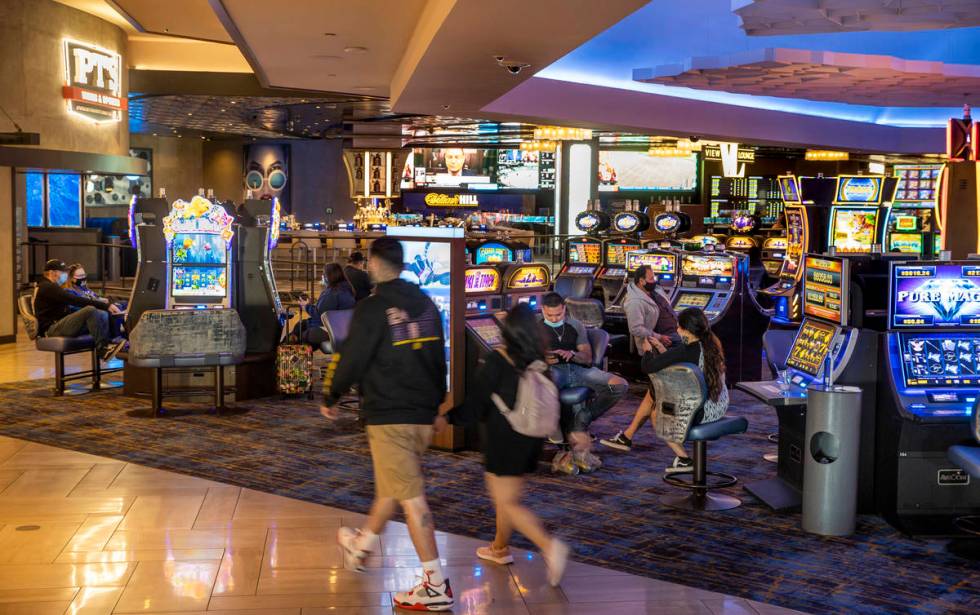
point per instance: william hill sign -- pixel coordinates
(93, 82)
(438, 199)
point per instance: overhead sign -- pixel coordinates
(715, 152)
(438, 199)
(93, 82)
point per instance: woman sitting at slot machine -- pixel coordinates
(699, 346)
(337, 294)
(77, 284)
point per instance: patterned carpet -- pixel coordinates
(612, 518)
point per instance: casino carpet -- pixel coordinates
(612, 517)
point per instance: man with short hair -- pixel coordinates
(357, 276)
(395, 352)
(570, 356)
(53, 305)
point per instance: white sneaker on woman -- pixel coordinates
(556, 559)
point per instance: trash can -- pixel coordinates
(830, 468)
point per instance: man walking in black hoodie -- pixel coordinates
(395, 352)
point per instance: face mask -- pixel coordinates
(651, 285)
(81, 281)
(62, 278)
(555, 325)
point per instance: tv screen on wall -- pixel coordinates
(621, 171)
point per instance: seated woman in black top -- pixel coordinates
(701, 347)
(508, 455)
(337, 295)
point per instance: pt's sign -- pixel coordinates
(93, 82)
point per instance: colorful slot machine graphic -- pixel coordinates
(823, 293)
(811, 346)
(854, 230)
(708, 266)
(585, 253)
(659, 263)
(935, 295)
(493, 253)
(198, 235)
(480, 280)
(528, 277)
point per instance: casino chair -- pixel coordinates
(968, 458)
(573, 287)
(681, 390)
(337, 323)
(62, 346)
(590, 313)
(776, 343)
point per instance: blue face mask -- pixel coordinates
(554, 325)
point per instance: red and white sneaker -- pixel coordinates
(426, 597)
(353, 556)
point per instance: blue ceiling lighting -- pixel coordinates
(672, 31)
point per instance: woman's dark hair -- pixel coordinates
(640, 274)
(694, 321)
(333, 275)
(522, 336)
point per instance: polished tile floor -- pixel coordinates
(87, 535)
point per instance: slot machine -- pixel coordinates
(526, 283)
(928, 388)
(499, 251)
(199, 264)
(824, 339)
(663, 263)
(742, 239)
(707, 281)
(772, 254)
(910, 223)
(149, 290)
(256, 297)
(799, 230)
(612, 275)
(435, 260)
(583, 257)
(484, 300)
(856, 216)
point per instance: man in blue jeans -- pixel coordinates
(570, 357)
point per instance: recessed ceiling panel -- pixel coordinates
(773, 17)
(825, 76)
(188, 18)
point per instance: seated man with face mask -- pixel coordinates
(53, 310)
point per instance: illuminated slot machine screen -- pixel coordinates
(796, 241)
(789, 189)
(811, 346)
(859, 189)
(691, 299)
(493, 253)
(616, 253)
(932, 359)
(935, 295)
(853, 230)
(482, 280)
(824, 295)
(588, 253)
(907, 243)
(706, 271)
(487, 329)
(740, 242)
(527, 280)
(660, 263)
(917, 183)
(199, 266)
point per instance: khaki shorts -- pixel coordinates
(396, 452)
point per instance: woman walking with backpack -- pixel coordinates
(507, 453)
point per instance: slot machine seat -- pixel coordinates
(61, 346)
(573, 287)
(590, 313)
(968, 458)
(682, 389)
(337, 323)
(776, 343)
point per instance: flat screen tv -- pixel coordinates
(623, 171)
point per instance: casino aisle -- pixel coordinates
(89, 534)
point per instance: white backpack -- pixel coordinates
(536, 410)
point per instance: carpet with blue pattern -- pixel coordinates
(611, 517)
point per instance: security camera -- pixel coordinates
(694, 139)
(513, 67)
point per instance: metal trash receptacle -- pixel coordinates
(831, 453)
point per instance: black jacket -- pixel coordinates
(360, 280)
(52, 303)
(396, 352)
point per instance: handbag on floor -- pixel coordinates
(294, 364)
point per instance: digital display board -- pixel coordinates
(824, 295)
(796, 241)
(660, 263)
(528, 277)
(707, 266)
(789, 188)
(452, 167)
(859, 189)
(917, 183)
(940, 359)
(616, 253)
(493, 253)
(908, 243)
(487, 330)
(428, 264)
(639, 171)
(935, 295)
(853, 230)
(811, 346)
(481, 280)
(589, 253)
(580, 270)
(199, 281)
(198, 249)
(906, 223)
(687, 299)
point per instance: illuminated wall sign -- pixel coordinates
(437, 199)
(824, 154)
(93, 82)
(714, 152)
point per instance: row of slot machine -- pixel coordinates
(920, 381)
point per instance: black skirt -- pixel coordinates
(506, 452)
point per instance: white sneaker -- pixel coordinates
(497, 556)
(353, 557)
(556, 560)
(681, 464)
(426, 596)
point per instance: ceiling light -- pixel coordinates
(330, 34)
(364, 88)
(355, 50)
